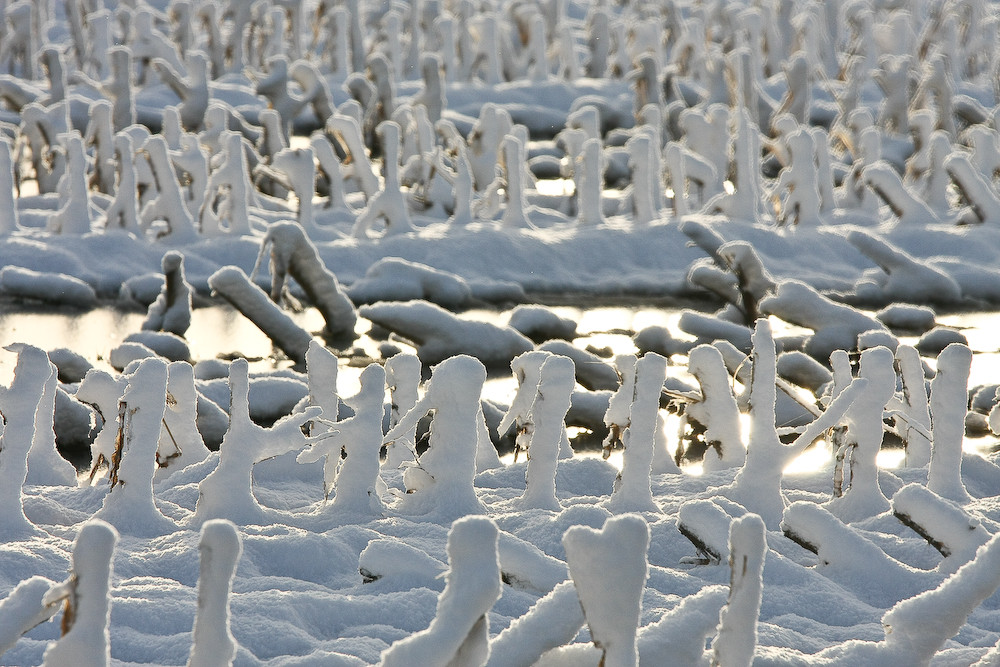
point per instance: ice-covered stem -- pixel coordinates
(293, 255)
(181, 443)
(85, 639)
(757, 485)
(220, 548)
(590, 165)
(717, 410)
(172, 309)
(914, 424)
(129, 505)
(948, 528)
(73, 216)
(905, 205)
(347, 131)
(737, 638)
(459, 633)
(229, 192)
(948, 406)
(351, 449)
(17, 406)
(862, 496)
(402, 376)
(23, 610)
(123, 213)
(388, 204)
(556, 379)
(976, 190)
(443, 479)
(168, 206)
(551, 622)
(227, 492)
(8, 205)
(632, 491)
(611, 605)
(232, 284)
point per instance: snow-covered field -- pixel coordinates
(824, 172)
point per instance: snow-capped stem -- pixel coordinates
(948, 404)
(905, 205)
(512, 159)
(402, 376)
(347, 131)
(552, 621)
(977, 191)
(124, 210)
(917, 424)
(73, 217)
(18, 404)
(459, 633)
(863, 497)
(233, 285)
(23, 609)
(590, 165)
(557, 378)
(181, 443)
(213, 642)
(443, 481)
(85, 639)
(611, 604)
(227, 492)
(168, 207)
(758, 483)
(8, 208)
(737, 638)
(632, 487)
(912, 637)
(717, 411)
(45, 465)
(389, 204)
(354, 477)
(293, 255)
(129, 505)
(948, 528)
(171, 311)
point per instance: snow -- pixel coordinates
(773, 159)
